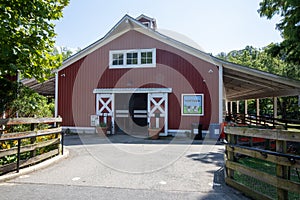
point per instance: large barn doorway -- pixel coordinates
(131, 114)
(132, 110)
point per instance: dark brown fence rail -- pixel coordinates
(21, 149)
(263, 163)
(266, 121)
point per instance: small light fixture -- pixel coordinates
(210, 71)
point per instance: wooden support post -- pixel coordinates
(61, 141)
(237, 107)
(19, 155)
(33, 140)
(226, 107)
(246, 112)
(230, 155)
(275, 110)
(246, 107)
(257, 110)
(281, 171)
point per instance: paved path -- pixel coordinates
(128, 168)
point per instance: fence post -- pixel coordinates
(33, 140)
(281, 171)
(19, 155)
(61, 141)
(230, 154)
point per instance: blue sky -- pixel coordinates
(216, 25)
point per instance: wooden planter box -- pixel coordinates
(154, 133)
(101, 131)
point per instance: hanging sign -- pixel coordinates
(192, 104)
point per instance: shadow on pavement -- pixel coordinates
(216, 158)
(219, 186)
(92, 139)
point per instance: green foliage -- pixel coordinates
(289, 26)
(257, 59)
(27, 42)
(30, 104)
(8, 92)
(26, 155)
(66, 52)
(102, 124)
(27, 37)
(288, 108)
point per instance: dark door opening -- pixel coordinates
(131, 114)
(138, 108)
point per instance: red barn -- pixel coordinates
(137, 77)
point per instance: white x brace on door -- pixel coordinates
(105, 106)
(158, 111)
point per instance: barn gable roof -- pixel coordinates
(240, 82)
(128, 23)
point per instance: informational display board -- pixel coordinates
(94, 120)
(192, 104)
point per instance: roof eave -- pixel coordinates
(258, 73)
(134, 25)
(92, 46)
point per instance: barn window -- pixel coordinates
(118, 59)
(133, 58)
(146, 57)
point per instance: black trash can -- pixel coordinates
(196, 131)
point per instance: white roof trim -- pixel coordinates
(258, 73)
(94, 46)
(145, 17)
(179, 45)
(131, 90)
(138, 26)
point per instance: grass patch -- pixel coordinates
(259, 186)
(253, 183)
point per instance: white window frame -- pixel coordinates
(138, 65)
(148, 24)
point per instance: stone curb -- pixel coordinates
(34, 168)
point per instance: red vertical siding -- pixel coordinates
(175, 69)
(66, 79)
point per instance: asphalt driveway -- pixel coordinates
(124, 167)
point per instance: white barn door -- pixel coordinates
(158, 111)
(105, 107)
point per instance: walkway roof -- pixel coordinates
(242, 83)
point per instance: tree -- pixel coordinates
(30, 104)
(67, 52)
(27, 37)
(27, 41)
(289, 26)
(256, 58)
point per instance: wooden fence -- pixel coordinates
(266, 121)
(262, 150)
(21, 149)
